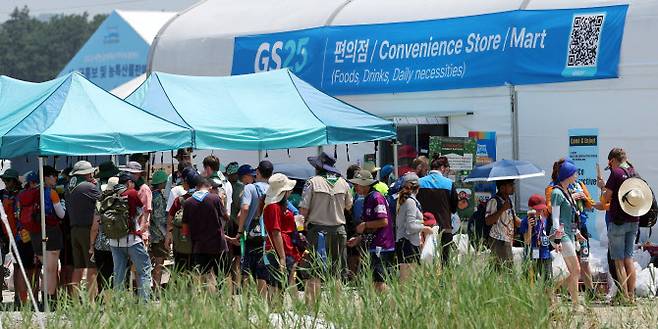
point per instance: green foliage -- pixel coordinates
(36, 50)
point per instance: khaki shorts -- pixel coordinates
(503, 252)
(335, 238)
(80, 247)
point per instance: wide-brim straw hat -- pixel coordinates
(635, 197)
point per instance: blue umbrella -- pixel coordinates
(504, 170)
(298, 171)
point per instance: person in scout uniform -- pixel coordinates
(232, 225)
(182, 245)
(158, 227)
(325, 198)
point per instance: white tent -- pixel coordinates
(200, 41)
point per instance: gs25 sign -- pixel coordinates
(292, 54)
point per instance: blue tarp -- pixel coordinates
(72, 116)
(263, 111)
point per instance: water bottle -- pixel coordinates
(584, 250)
(322, 248)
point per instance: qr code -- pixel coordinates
(584, 40)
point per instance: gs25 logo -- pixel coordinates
(290, 54)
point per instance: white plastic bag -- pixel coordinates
(429, 248)
(645, 286)
(642, 257)
(560, 270)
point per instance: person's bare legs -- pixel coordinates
(587, 274)
(632, 277)
(574, 274)
(65, 278)
(312, 290)
(622, 277)
(158, 265)
(51, 270)
(381, 287)
(91, 283)
(405, 272)
(235, 274)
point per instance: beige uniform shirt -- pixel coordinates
(326, 203)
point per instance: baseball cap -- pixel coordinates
(124, 177)
(31, 176)
(246, 169)
(537, 202)
(10, 174)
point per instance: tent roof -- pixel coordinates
(271, 110)
(72, 116)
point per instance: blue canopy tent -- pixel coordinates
(263, 111)
(72, 116)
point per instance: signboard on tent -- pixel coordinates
(513, 47)
(485, 153)
(460, 152)
(584, 151)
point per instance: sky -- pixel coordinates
(46, 7)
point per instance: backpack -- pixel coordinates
(648, 219)
(477, 229)
(115, 215)
(256, 228)
(181, 245)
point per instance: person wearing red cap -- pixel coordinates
(535, 233)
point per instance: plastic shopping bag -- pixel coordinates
(429, 248)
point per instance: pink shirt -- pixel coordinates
(145, 196)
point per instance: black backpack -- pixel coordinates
(477, 229)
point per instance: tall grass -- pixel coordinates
(470, 294)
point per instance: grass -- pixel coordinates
(468, 295)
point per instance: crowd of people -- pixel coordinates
(246, 224)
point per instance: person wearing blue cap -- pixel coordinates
(182, 245)
(565, 218)
(249, 235)
(584, 201)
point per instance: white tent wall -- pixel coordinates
(200, 41)
(624, 109)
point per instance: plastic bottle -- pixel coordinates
(322, 248)
(584, 250)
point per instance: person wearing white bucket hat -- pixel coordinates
(81, 196)
(281, 254)
(625, 208)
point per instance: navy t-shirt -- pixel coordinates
(617, 177)
(539, 237)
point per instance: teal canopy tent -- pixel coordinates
(263, 111)
(72, 116)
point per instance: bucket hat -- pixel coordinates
(279, 185)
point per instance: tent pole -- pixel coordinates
(44, 260)
(17, 258)
(395, 157)
(260, 156)
(515, 138)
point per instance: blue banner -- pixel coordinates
(584, 151)
(515, 47)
